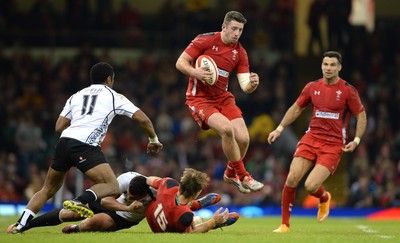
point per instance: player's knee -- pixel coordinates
(311, 187)
(243, 142)
(228, 131)
(113, 188)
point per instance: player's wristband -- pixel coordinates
(280, 128)
(211, 223)
(357, 140)
(154, 140)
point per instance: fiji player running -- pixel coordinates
(82, 126)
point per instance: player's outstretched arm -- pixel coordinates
(154, 145)
(217, 219)
(290, 116)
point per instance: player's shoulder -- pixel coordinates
(208, 34)
(345, 83)
(169, 182)
(186, 219)
(130, 174)
(351, 89)
(206, 37)
(314, 83)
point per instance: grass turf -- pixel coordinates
(253, 230)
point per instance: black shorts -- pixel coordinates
(120, 222)
(70, 152)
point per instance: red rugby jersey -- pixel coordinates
(165, 214)
(332, 108)
(227, 57)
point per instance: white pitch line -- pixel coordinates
(368, 230)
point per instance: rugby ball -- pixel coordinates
(197, 220)
(209, 64)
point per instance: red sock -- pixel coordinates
(239, 169)
(230, 171)
(321, 194)
(195, 205)
(288, 196)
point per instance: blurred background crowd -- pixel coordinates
(34, 88)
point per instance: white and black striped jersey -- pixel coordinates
(91, 111)
(139, 214)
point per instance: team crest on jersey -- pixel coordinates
(201, 113)
(338, 93)
(234, 54)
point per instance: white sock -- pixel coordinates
(27, 215)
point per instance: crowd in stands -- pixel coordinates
(34, 90)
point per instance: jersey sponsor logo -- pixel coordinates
(326, 115)
(317, 92)
(223, 73)
(215, 48)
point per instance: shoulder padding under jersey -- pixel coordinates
(186, 219)
(172, 183)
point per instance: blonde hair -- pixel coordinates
(192, 182)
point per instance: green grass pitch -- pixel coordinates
(252, 230)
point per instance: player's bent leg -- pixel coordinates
(209, 199)
(53, 182)
(101, 222)
(105, 179)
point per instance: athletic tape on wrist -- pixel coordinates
(280, 128)
(357, 140)
(153, 140)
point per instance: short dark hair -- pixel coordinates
(100, 72)
(138, 186)
(234, 15)
(333, 54)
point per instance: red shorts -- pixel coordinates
(202, 108)
(326, 154)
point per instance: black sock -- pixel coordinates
(47, 219)
(87, 197)
(77, 228)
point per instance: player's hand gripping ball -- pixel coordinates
(208, 63)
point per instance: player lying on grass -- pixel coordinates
(113, 214)
(172, 209)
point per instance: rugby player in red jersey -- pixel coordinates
(213, 106)
(321, 148)
(171, 211)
